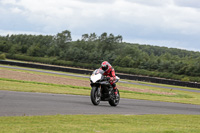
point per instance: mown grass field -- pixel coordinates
(99, 123)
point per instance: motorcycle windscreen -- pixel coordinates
(94, 78)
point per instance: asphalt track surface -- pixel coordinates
(28, 104)
(75, 75)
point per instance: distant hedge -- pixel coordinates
(52, 61)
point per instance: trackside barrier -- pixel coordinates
(122, 76)
(46, 67)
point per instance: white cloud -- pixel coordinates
(72, 14)
(10, 32)
(8, 2)
(188, 3)
(133, 19)
(167, 17)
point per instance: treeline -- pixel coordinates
(91, 50)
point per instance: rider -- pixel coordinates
(110, 73)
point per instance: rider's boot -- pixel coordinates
(116, 92)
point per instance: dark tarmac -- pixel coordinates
(28, 104)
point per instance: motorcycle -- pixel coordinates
(102, 90)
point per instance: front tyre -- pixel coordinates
(95, 97)
(115, 101)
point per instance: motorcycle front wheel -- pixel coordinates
(95, 98)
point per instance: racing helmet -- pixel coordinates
(105, 66)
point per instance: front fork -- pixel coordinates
(99, 91)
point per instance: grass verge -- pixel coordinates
(72, 77)
(30, 86)
(101, 123)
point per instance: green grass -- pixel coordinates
(30, 86)
(101, 124)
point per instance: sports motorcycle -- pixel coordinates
(102, 90)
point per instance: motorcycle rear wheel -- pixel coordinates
(94, 96)
(115, 101)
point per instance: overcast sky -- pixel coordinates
(170, 23)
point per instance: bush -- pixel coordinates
(2, 56)
(185, 79)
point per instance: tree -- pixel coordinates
(92, 37)
(62, 39)
(103, 36)
(126, 62)
(118, 39)
(16, 48)
(35, 50)
(85, 37)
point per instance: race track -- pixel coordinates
(26, 103)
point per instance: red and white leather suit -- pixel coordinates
(109, 72)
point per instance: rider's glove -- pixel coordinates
(108, 78)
